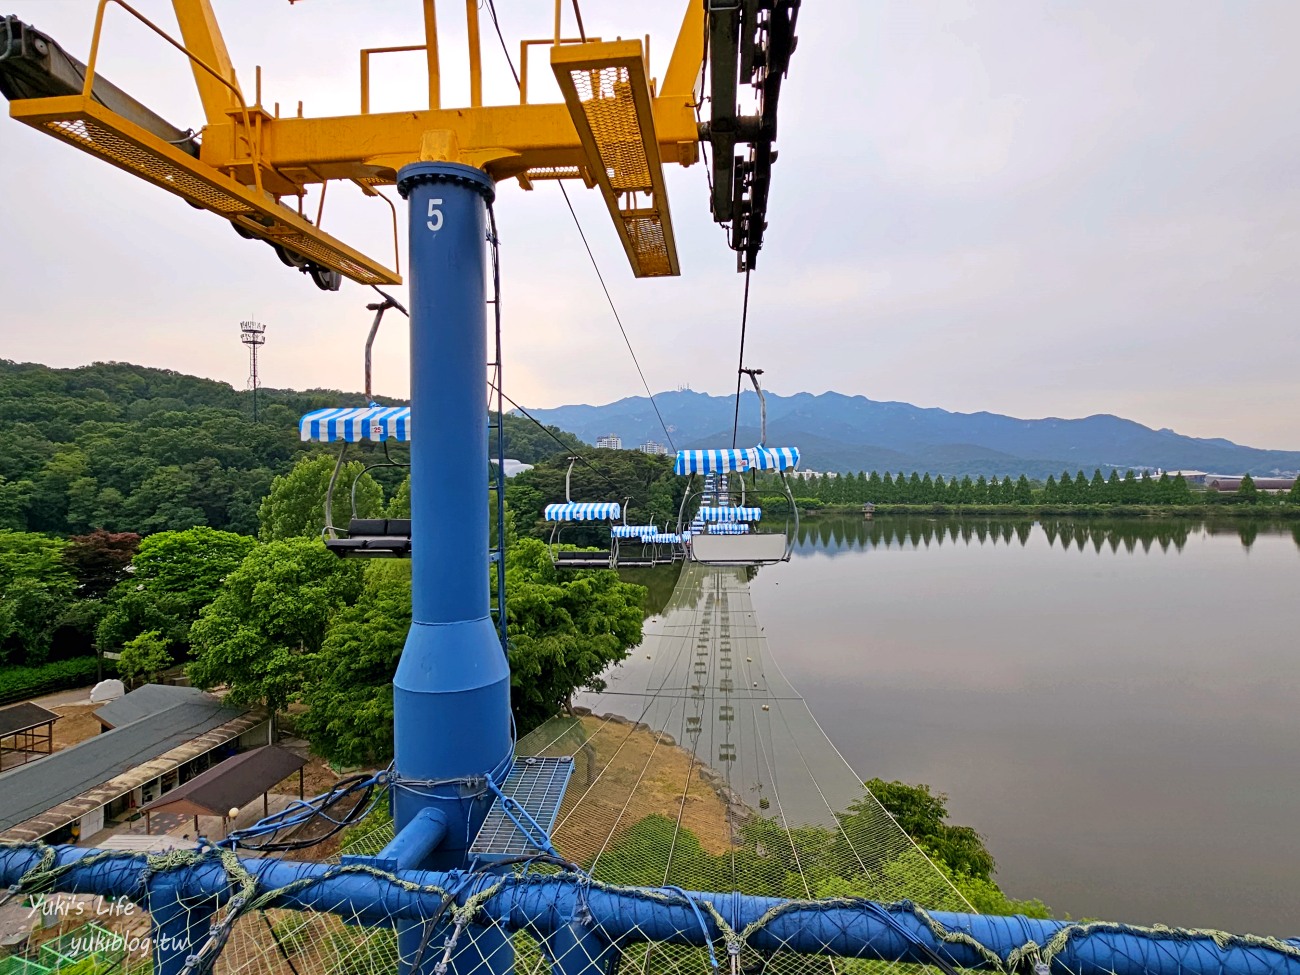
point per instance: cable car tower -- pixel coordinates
(615, 130)
(253, 335)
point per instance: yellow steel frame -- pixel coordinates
(613, 130)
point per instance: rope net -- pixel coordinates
(698, 769)
(701, 768)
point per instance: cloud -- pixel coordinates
(1040, 209)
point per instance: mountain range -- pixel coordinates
(836, 432)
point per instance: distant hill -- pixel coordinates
(850, 433)
(128, 448)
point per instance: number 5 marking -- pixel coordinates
(434, 222)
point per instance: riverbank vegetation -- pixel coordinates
(1076, 493)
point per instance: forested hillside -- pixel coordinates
(128, 448)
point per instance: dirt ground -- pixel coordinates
(76, 723)
(627, 772)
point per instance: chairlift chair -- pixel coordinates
(723, 533)
(365, 537)
(573, 512)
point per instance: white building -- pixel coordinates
(610, 442)
(650, 447)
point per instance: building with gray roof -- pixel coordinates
(173, 737)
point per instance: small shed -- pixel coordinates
(24, 729)
(230, 785)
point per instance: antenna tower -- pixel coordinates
(253, 335)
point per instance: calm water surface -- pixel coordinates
(1114, 706)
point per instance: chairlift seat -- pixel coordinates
(582, 560)
(375, 538)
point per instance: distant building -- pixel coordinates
(807, 473)
(610, 442)
(1232, 482)
(514, 467)
(650, 447)
(1193, 478)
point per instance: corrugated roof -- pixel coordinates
(30, 789)
(24, 717)
(147, 700)
(236, 781)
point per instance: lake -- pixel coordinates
(1113, 705)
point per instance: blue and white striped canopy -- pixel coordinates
(633, 531)
(662, 538)
(729, 528)
(711, 461)
(356, 423)
(584, 511)
(774, 458)
(731, 514)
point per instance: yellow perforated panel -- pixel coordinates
(647, 236)
(606, 96)
(92, 137)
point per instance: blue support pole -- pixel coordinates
(451, 693)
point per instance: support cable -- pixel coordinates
(600, 277)
(740, 367)
(492, 12)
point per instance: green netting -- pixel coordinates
(14, 965)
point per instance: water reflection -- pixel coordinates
(836, 536)
(1113, 703)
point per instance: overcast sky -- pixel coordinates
(1034, 208)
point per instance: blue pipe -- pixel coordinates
(451, 692)
(549, 905)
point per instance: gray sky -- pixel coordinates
(1035, 208)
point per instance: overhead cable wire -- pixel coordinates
(617, 318)
(740, 368)
(492, 12)
(551, 433)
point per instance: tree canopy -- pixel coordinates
(270, 617)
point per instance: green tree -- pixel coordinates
(563, 634)
(1247, 492)
(1024, 493)
(174, 575)
(295, 507)
(260, 634)
(922, 814)
(144, 659)
(36, 588)
(349, 690)
(1292, 496)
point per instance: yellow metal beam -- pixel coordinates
(687, 61)
(202, 38)
(611, 131)
(506, 140)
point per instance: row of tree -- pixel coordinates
(1078, 489)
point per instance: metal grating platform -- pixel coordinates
(537, 784)
(608, 95)
(97, 130)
